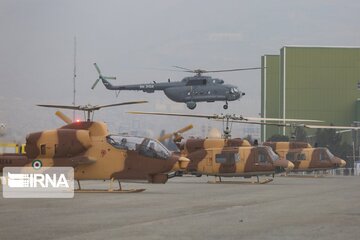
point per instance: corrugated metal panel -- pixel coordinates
(270, 92)
(321, 83)
(314, 83)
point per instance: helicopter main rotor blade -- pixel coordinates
(281, 119)
(199, 71)
(345, 128)
(60, 106)
(89, 107)
(120, 104)
(258, 123)
(178, 114)
(230, 117)
(231, 70)
(187, 69)
(332, 127)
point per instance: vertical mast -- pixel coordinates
(74, 79)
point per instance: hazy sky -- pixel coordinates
(130, 39)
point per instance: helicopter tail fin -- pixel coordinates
(104, 79)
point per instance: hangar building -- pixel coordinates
(311, 82)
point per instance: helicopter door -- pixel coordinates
(226, 161)
(262, 161)
(320, 159)
(208, 168)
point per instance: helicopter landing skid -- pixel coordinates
(241, 182)
(304, 176)
(109, 191)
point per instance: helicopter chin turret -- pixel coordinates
(191, 105)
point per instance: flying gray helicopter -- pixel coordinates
(189, 90)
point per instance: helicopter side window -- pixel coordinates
(262, 156)
(322, 156)
(227, 157)
(43, 149)
(196, 82)
(290, 156)
(301, 157)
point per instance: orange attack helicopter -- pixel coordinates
(95, 154)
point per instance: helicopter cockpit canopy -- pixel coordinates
(273, 155)
(144, 146)
(264, 152)
(217, 81)
(325, 154)
(234, 90)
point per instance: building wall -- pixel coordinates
(270, 92)
(318, 83)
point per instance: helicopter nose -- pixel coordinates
(342, 163)
(285, 164)
(181, 164)
(290, 166)
(338, 162)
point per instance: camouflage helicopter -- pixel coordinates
(305, 157)
(226, 157)
(302, 154)
(190, 90)
(95, 154)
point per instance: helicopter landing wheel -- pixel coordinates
(225, 106)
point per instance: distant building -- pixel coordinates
(311, 82)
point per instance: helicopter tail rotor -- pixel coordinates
(101, 77)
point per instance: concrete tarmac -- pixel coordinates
(190, 208)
